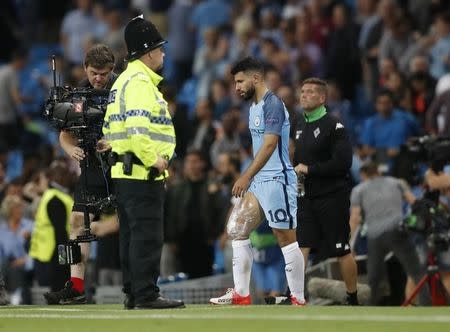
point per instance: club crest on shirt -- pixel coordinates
(257, 121)
(316, 132)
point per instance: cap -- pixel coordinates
(141, 36)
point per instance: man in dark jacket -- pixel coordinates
(323, 157)
(195, 218)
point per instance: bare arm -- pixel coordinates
(355, 219)
(409, 197)
(68, 143)
(106, 226)
(437, 181)
(264, 153)
(16, 95)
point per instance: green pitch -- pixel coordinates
(206, 318)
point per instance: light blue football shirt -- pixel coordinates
(270, 116)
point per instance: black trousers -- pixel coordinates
(403, 248)
(140, 209)
(51, 273)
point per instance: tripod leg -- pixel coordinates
(416, 290)
(438, 293)
(87, 221)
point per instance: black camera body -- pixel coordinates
(78, 110)
(431, 220)
(434, 150)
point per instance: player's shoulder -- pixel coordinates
(272, 102)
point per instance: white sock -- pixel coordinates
(295, 270)
(242, 266)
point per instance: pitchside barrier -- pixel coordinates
(200, 290)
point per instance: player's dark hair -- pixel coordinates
(248, 64)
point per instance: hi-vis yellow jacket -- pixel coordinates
(43, 242)
(137, 120)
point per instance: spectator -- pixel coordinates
(440, 52)
(385, 132)
(438, 115)
(14, 240)
(343, 64)
(396, 83)
(397, 37)
(306, 47)
(273, 78)
(180, 118)
(204, 132)
(182, 40)
(209, 14)
(220, 98)
(422, 91)
(77, 28)
(10, 99)
(320, 23)
(194, 218)
(229, 140)
(209, 59)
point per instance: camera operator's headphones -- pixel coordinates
(141, 36)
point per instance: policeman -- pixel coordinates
(139, 129)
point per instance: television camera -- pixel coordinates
(79, 111)
(429, 217)
(430, 149)
(431, 220)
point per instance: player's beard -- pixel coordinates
(249, 94)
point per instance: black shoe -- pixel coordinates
(3, 296)
(67, 295)
(160, 303)
(351, 300)
(128, 303)
(281, 300)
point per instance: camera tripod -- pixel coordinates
(433, 278)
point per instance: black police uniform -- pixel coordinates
(98, 178)
(323, 212)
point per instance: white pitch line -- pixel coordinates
(44, 309)
(284, 317)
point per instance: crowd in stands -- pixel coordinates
(387, 63)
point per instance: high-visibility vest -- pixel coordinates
(137, 120)
(43, 241)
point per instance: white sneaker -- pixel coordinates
(231, 297)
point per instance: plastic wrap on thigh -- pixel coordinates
(243, 219)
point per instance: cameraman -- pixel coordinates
(380, 200)
(441, 181)
(98, 65)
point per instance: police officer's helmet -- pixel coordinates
(141, 36)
